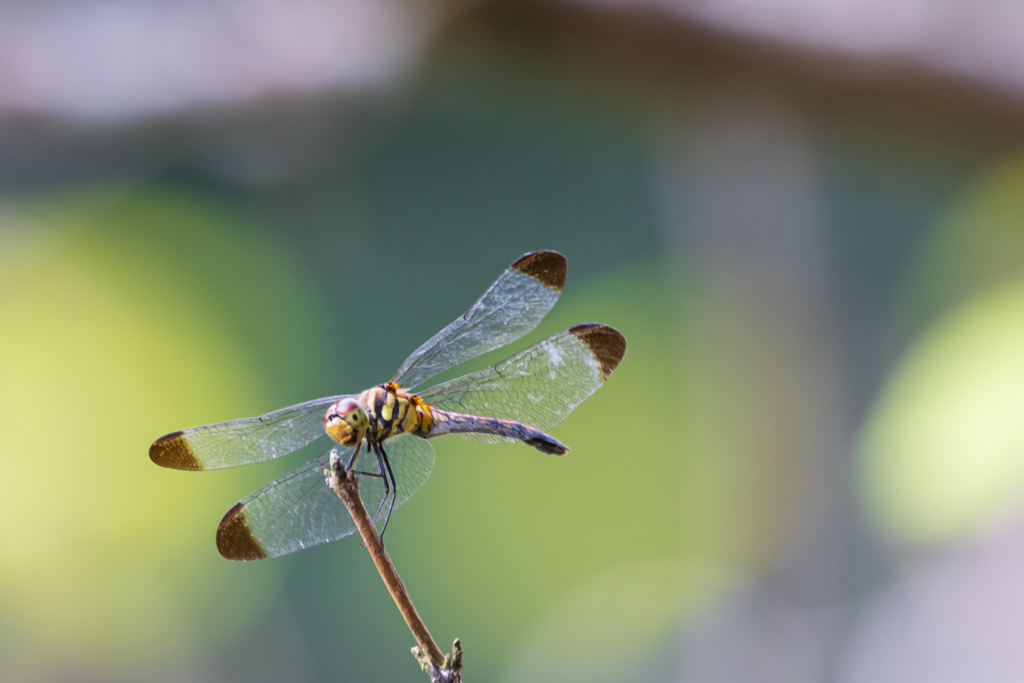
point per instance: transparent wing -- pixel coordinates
(510, 308)
(538, 386)
(300, 509)
(241, 442)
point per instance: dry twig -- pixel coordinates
(442, 668)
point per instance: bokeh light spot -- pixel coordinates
(944, 449)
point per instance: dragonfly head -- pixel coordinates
(346, 422)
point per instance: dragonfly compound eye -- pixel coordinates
(355, 415)
(342, 421)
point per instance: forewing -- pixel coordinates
(510, 308)
(300, 509)
(241, 442)
(538, 386)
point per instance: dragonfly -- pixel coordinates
(516, 400)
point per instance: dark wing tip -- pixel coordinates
(549, 267)
(173, 451)
(606, 343)
(234, 537)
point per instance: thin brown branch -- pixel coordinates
(442, 668)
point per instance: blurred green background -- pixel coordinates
(809, 466)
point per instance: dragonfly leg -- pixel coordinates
(355, 454)
(394, 488)
(381, 473)
(352, 461)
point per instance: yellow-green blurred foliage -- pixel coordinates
(120, 321)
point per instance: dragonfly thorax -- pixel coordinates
(391, 412)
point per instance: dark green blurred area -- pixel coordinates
(819, 281)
